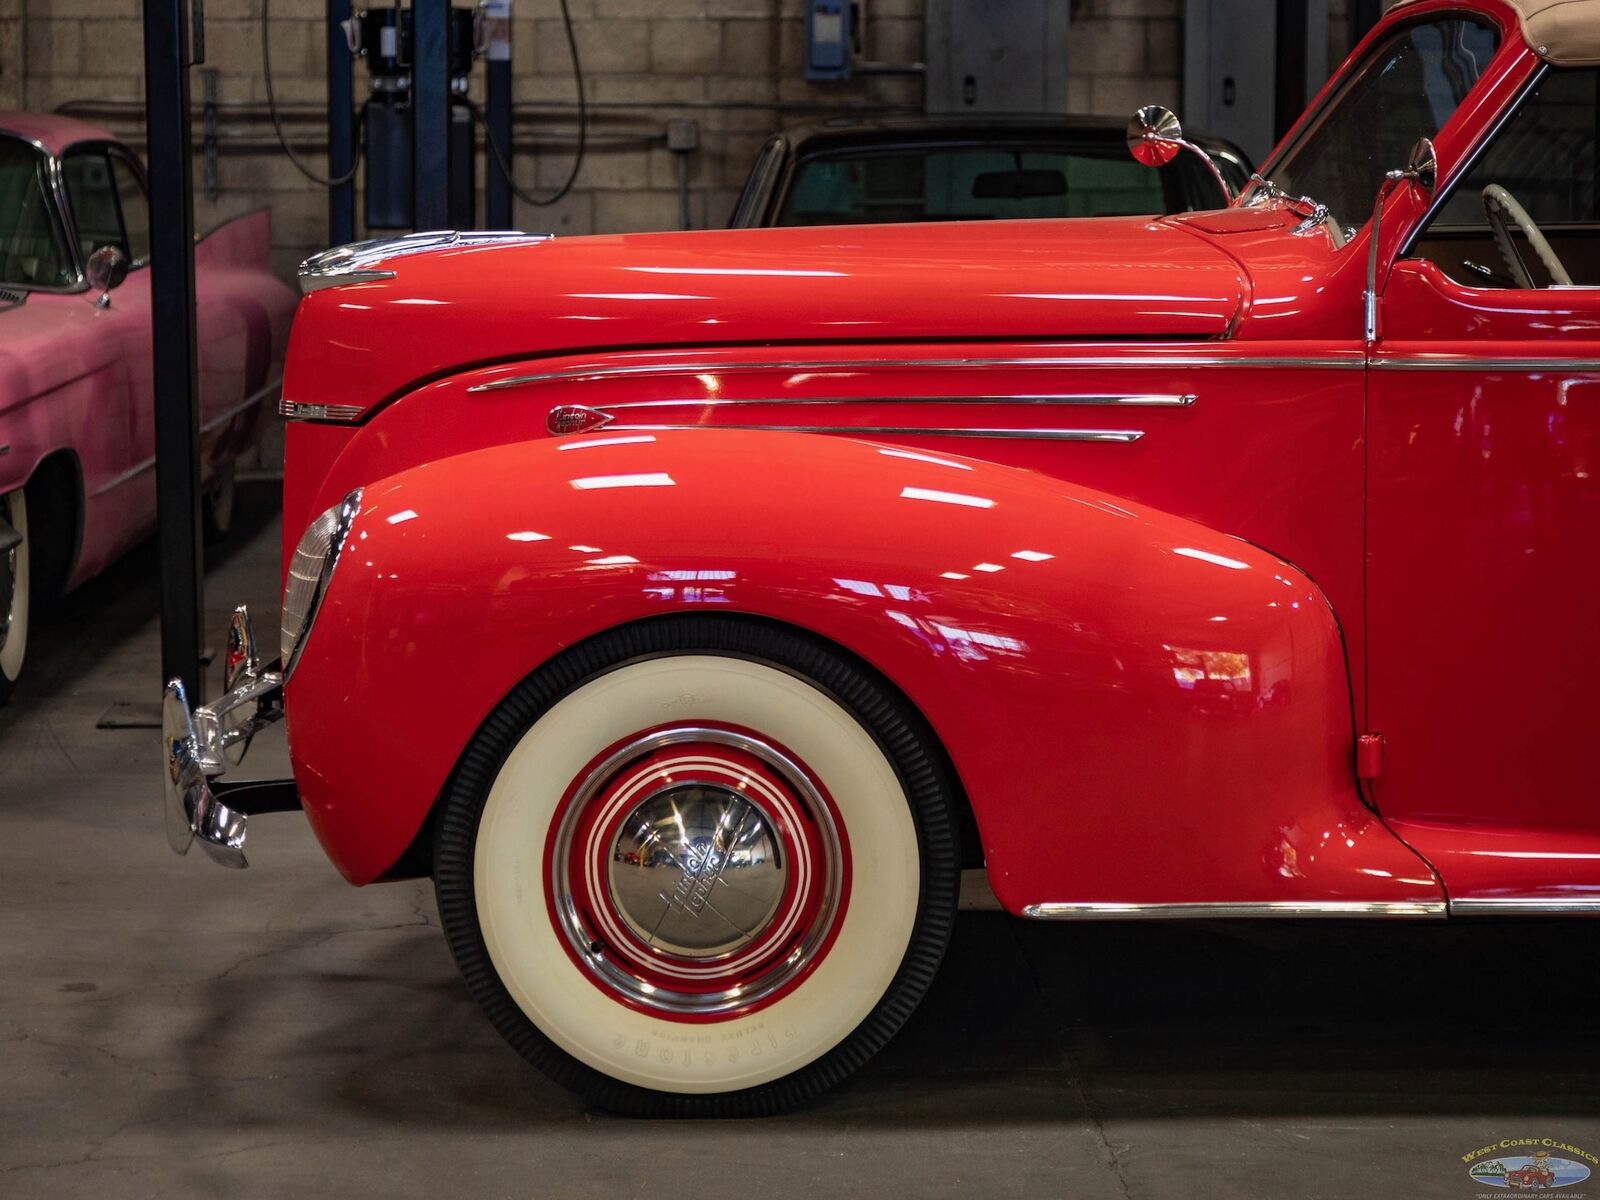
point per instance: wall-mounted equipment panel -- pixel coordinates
(997, 56)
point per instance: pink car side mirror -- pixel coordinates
(107, 267)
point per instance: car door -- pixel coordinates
(1484, 522)
(100, 216)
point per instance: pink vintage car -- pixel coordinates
(77, 419)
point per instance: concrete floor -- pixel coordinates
(169, 1029)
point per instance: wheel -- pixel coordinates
(699, 867)
(14, 586)
(216, 511)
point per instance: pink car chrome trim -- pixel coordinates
(216, 422)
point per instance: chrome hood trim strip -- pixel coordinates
(1351, 362)
(360, 262)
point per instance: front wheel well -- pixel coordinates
(55, 519)
(417, 860)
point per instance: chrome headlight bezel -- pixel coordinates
(311, 570)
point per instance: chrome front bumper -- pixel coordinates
(200, 744)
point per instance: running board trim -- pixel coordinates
(1510, 906)
(1235, 910)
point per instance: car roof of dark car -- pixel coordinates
(845, 132)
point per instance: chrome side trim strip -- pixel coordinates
(1233, 910)
(118, 480)
(244, 405)
(294, 410)
(1525, 906)
(1054, 435)
(216, 422)
(1352, 362)
(1142, 401)
(1433, 362)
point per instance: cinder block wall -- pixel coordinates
(734, 66)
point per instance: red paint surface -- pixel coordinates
(1132, 722)
(1148, 674)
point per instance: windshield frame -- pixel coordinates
(57, 195)
(1339, 84)
(1044, 141)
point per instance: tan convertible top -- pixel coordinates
(1563, 32)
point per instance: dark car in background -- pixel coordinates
(850, 171)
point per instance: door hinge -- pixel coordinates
(1369, 755)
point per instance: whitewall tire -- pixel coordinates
(14, 593)
(703, 866)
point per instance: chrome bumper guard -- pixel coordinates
(201, 744)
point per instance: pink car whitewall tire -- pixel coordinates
(14, 589)
(699, 867)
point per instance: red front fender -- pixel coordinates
(1141, 710)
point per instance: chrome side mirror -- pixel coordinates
(1421, 172)
(107, 267)
(1422, 169)
(1155, 137)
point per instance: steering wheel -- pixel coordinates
(1500, 205)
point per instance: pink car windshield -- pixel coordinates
(32, 252)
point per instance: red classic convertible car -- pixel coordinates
(77, 419)
(693, 606)
(1533, 1175)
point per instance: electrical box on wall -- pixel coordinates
(997, 56)
(1250, 67)
(829, 30)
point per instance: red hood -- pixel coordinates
(1113, 277)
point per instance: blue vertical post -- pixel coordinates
(341, 128)
(497, 199)
(430, 113)
(177, 403)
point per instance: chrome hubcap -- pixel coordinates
(697, 870)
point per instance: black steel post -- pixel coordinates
(341, 128)
(430, 112)
(497, 198)
(177, 406)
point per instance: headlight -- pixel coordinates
(310, 571)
